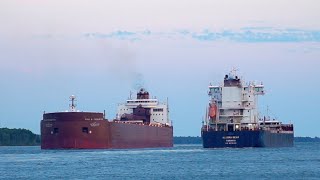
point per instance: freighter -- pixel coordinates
(139, 123)
(232, 118)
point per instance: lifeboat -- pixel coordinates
(212, 111)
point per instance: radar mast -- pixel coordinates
(73, 105)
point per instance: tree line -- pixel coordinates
(18, 137)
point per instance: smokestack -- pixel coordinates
(142, 94)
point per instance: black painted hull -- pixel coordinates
(241, 139)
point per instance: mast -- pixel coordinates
(168, 120)
(268, 113)
(73, 105)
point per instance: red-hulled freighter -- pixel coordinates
(140, 123)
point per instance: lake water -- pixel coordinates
(179, 162)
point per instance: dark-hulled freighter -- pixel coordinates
(140, 123)
(232, 119)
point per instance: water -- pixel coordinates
(180, 162)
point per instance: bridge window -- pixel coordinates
(85, 130)
(55, 130)
(158, 110)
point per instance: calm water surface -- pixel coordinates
(180, 162)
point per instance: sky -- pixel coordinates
(102, 50)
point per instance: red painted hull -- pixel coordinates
(81, 130)
(126, 135)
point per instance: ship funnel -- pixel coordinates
(143, 94)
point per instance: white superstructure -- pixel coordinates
(143, 109)
(234, 104)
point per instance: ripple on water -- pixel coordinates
(179, 162)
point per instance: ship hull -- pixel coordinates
(127, 135)
(241, 139)
(91, 131)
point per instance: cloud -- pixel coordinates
(123, 35)
(246, 34)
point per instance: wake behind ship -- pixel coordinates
(140, 123)
(232, 118)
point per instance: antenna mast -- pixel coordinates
(168, 119)
(73, 105)
(268, 113)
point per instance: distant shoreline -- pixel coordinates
(18, 137)
(24, 137)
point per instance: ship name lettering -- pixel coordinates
(231, 141)
(48, 125)
(230, 137)
(49, 119)
(94, 124)
(93, 119)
